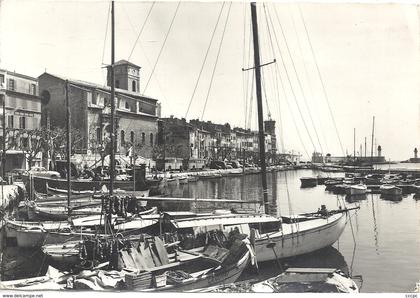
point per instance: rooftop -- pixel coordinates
(81, 83)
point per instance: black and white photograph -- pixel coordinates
(209, 147)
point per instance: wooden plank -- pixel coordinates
(161, 251)
(311, 270)
(145, 252)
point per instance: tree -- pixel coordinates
(32, 142)
(55, 141)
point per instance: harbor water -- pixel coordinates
(381, 241)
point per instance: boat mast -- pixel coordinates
(112, 156)
(354, 144)
(371, 148)
(257, 66)
(68, 126)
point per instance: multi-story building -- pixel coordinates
(135, 117)
(19, 93)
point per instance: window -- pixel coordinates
(143, 138)
(22, 122)
(11, 84)
(151, 139)
(94, 100)
(1, 79)
(133, 86)
(33, 89)
(127, 105)
(122, 137)
(132, 137)
(117, 84)
(10, 122)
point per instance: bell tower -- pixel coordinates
(126, 75)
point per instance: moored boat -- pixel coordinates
(308, 280)
(274, 238)
(358, 189)
(308, 181)
(389, 189)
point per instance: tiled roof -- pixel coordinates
(98, 86)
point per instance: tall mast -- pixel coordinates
(354, 143)
(68, 126)
(257, 66)
(3, 155)
(365, 147)
(112, 159)
(373, 133)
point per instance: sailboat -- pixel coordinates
(273, 238)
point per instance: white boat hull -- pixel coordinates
(357, 190)
(311, 236)
(36, 238)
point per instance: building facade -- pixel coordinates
(19, 94)
(135, 114)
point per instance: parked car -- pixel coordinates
(235, 164)
(217, 164)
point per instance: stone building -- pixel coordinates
(135, 115)
(22, 113)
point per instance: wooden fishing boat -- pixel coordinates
(62, 212)
(321, 179)
(12, 226)
(273, 238)
(340, 189)
(330, 183)
(194, 269)
(41, 183)
(55, 190)
(358, 189)
(308, 181)
(308, 280)
(37, 236)
(389, 189)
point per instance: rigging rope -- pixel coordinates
(297, 78)
(306, 73)
(275, 75)
(141, 30)
(217, 59)
(290, 83)
(321, 80)
(106, 34)
(163, 46)
(249, 106)
(205, 58)
(244, 73)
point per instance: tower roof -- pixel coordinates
(125, 62)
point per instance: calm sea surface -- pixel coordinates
(381, 243)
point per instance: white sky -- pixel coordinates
(368, 56)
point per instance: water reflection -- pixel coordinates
(392, 198)
(375, 228)
(328, 257)
(355, 198)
